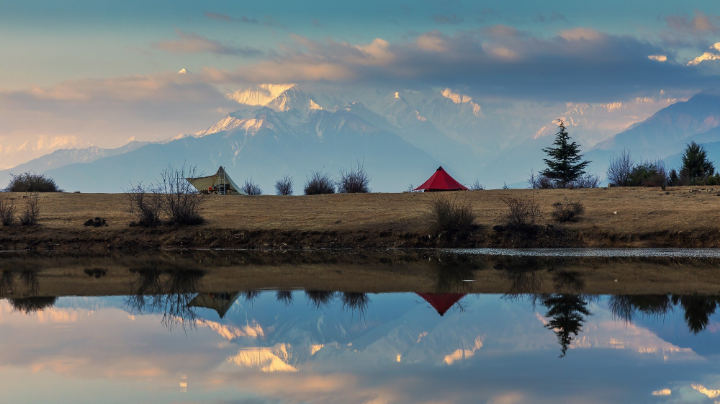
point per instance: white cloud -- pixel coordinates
(658, 58)
(662, 392)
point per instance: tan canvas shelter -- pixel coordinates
(220, 183)
(220, 302)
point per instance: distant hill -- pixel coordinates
(63, 157)
(264, 148)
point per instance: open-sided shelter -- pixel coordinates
(219, 183)
(441, 181)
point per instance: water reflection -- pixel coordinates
(697, 309)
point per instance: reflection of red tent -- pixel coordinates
(442, 302)
(441, 181)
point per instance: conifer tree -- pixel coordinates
(564, 164)
(695, 164)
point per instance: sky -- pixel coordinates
(83, 72)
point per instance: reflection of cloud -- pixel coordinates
(507, 398)
(253, 330)
(264, 359)
(461, 354)
(447, 19)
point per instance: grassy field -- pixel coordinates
(614, 217)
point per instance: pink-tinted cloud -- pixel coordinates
(699, 23)
(188, 42)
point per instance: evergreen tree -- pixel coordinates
(564, 164)
(695, 164)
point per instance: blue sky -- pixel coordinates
(85, 72)
(45, 42)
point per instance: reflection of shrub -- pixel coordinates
(568, 211)
(355, 301)
(32, 304)
(320, 298)
(319, 183)
(522, 212)
(449, 215)
(31, 182)
(284, 296)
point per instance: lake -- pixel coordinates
(347, 327)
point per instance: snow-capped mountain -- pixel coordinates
(265, 146)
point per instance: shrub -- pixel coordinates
(319, 183)
(587, 181)
(522, 212)
(477, 186)
(31, 182)
(449, 215)
(179, 199)
(648, 174)
(251, 188)
(618, 172)
(97, 222)
(354, 181)
(144, 205)
(568, 211)
(284, 186)
(7, 213)
(539, 181)
(32, 211)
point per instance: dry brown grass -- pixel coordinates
(628, 213)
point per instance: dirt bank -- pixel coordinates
(616, 217)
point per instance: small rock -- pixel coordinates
(615, 213)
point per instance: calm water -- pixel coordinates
(191, 345)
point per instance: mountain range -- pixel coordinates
(400, 137)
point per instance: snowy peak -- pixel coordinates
(280, 97)
(260, 95)
(462, 99)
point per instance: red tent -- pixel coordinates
(442, 302)
(441, 181)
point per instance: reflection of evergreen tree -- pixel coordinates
(697, 310)
(567, 313)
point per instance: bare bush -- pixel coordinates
(319, 183)
(31, 213)
(618, 172)
(477, 186)
(447, 214)
(539, 181)
(586, 181)
(7, 213)
(354, 181)
(251, 188)
(31, 182)
(568, 211)
(284, 186)
(522, 212)
(144, 205)
(179, 199)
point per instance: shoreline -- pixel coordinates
(683, 217)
